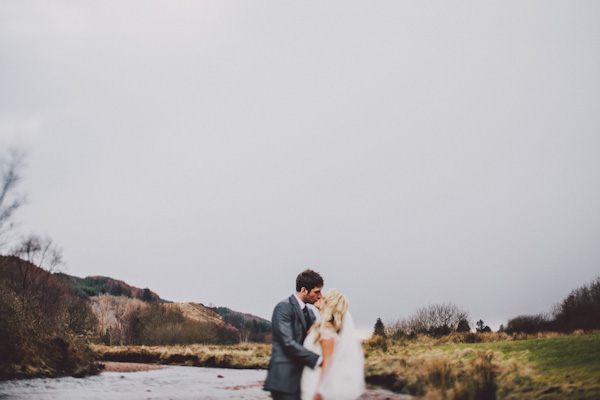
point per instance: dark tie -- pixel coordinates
(307, 317)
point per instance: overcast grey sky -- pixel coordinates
(413, 152)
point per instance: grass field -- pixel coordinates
(544, 368)
(501, 367)
(562, 359)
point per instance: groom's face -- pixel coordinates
(312, 296)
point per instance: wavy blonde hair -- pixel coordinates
(332, 311)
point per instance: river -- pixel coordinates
(173, 382)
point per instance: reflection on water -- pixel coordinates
(175, 383)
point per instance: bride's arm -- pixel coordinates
(327, 348)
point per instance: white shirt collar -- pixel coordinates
(302, 304)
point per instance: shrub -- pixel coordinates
(40, 323)
(580, 309)
(434, 320)
(379, 328)
(528, 324)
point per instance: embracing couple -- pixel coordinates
(314, 358)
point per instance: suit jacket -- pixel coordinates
(288, 355)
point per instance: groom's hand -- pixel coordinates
(318, 396)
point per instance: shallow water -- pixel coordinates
(172, 382)
(185, 383)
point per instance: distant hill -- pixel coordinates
(243, 320)
(221, 317)
(197, 312)
(96, 285)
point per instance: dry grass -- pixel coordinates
(247, 356)
(129, 367)
(497, 366)
(439, 374)
(472, 337)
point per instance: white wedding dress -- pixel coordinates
(345, 378)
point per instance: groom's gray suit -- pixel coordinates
(289, 356)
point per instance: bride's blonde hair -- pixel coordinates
(332, 311)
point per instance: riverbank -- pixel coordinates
(110, 366)
(51, 358)
(240, 356)
(499, 366)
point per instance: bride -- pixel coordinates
(333, 336)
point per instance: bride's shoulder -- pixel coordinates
(328, 332)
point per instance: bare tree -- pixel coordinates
(244, 332)
(10, 199)
(102, 309)
(435, 320)
(40, 294)
(33, 282)
(39, 251)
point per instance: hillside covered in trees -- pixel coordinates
(48, 320)
(129, 315)
(43, 326)
(97, 285)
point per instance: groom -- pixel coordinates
(290, 323)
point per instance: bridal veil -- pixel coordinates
(345, 377)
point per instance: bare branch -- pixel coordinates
(434, 320)
(10, 177)
(39, 251)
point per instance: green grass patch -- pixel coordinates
(551, 367)
(559, 360)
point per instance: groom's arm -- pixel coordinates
(283, 334)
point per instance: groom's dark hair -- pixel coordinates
(308, 279)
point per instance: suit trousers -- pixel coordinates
(285, 396)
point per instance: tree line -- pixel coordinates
(580, 310)
(250, 329)
(433, 320)
(98, 285)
